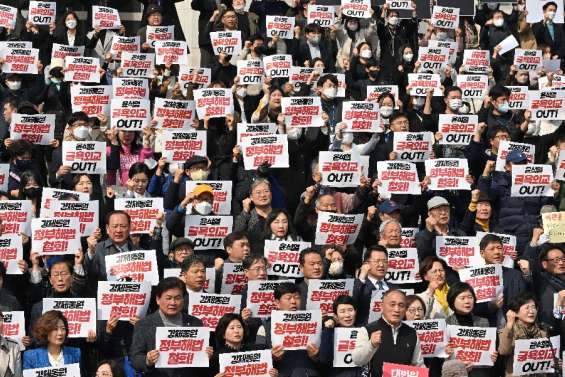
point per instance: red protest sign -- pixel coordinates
(52, 236)
(209, 308)
(401, 370)
(122, 299)
(142, 211)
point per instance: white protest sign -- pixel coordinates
(547, 104)
(182, 347)
(413, 146)
(261, 298)
(457, 129)
(122, 299)
(79, 312)
(400, 4)
(11, 251)
(403, 266)
(507, 44)
(258, 150)
(519, 97)
(450, 45)
(82, 69)
(196, 77)
(398, 177)
(20, 60)
(85, 156)
(209, 308)
(433, 59)
(445, 17)
(432, 334)
(8, 16)
(121, 44)
(139, 65)
(476, 61)
(250, 72)
(130, 114)
(92, 100)
(474, 345)
(448, 174)
(67, 370)
(37, 129)
(486, 281)
(248, 364)
(174, 114)
(527, 60)
(226, 42)
(323, 15)
(179, 146)
(360, 116)
(159, 33)
(408, 237)
(302, 111)
(356, 8)
(14, 326)
(374, 92)
(137, 266)
(16, 217)
(473, 86)
(420, 83)
(234, 280)
(143, 212)
(170, 52)
(60, 52)
(222, 194)
(322, 293)
(535, 11)
(531, 180)
(277, 65)
(339, 169)
(284, 257)
(49, 195)
(208, 232)
(85, 211)
(130, 88)
(458, 252)
(337, 229)
(345, 341)
(105, 18)
(535, 356)
(506, 146)
(294, 330)
(53, 236)
(254, 129)
(280, 26)
(213, 103)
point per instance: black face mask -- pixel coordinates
(373, 74)
(32, 192)
(23, 165)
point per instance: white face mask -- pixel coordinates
(455, 104)
(71, 24)
(347, 138)
(408, 57)
(393, 21)
(14, 85)
(498, 22)
(550, 15)
(203, 208)
(81, 132)
(173, 168)
(330, 93)
(336, 268)
(199, 175)
(241, 92)
(366, 54)
(386, 111)
(464, 109)
(315, 39)
(419, 102)
(294, 133)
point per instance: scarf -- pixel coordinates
(522, 331)
(441, 296)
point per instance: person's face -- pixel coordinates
(229, 19)
(279, 226)
(346, 315)
(234, 333)
(464, 302)
(391, 234)
(454, 94)
(436, 274)
(289, 301)
(554, 262)
(257, 271)
(8, 110)
(326, 203)
(500, 136)
(313, 34)
(204, 197)
(386, 101)
(238, 3)
(118, 228)
(400, 124)
(275, 99)
(313, 267)
(57, 336)
(126, 137)
(155, 19)
(549, 9)
(31, 183)
(60, 278)
(440, 214)
(104, 370)
(493, 253)
(170, 302)
(528, 312)
(182, 252)
(196, 167)
(140, 182)
(484, 210)
(261, 195)
(84, 185)
(378, 263)
(239, 250)
(499, 101)
(415, 311)
(195, 277)
(394, 308)
(319, 65)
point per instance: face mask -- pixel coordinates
(241, 92)
(373, 74)
(55, 80)
(32, 192)
(464, 109)
(173, 168)
(455, 104)
(81, 132)
(315, 39)
(330, 93)
(14, 85)
(239, 9)
(492, 6)
(294, 133)
(441, 35)
(347, 138)
(393, 21)
(203, 208)
(419, 102)
(336, 268)
(23, 164)
(408, 57)
(550, 15)
(199, 175)
(498, 22)
(386, 111)
(504, 108)
(71, 24)
(366, 54)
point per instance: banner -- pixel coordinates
(14, 326)
(37, 129)
(209, 308)
(170, 52)
(68, 370)
(547, 104)
(360, 116)
(254, 129)
(554, 226)
(122, 299)
(130, 114)
(138, 65)
(199, 77)
(531, 180)
(527, 60)
(413, 146)
(159, 33)
(92, 100)
(374, 92)
(143, 212)
(20, 60)
(81, 69)
(398, 178)
(401, 370)
(448, 174)
(284, 257)
(476, 61)
(137, 266)
(105, 18)
(130, 88)
(474, 345)
(53, 236)
(226, 42)
(86, 212)
(179, 146)
(432, 334)
(248, 364)
(450, 45)
(458, 252)
(174, 114)
(294, 330)
(302, 111)
(420, 83)
(403, 266)
(304, 75)
(260, 296)
(457, 129)
(60, 52)
(258, 150)
(356, 8)
(473, 86)
(339, 169)
(323, 293)
(11, 251)
(48, 195)
(79, 312)
(508, 247)
(208, 232)
(519, 97)
(280, 26)
(486, 281)
(506, 146)
(333, 228)
(122, 44)
(322, 15)
(16, 216)
(8, 16)
(234, 280)
(182, 347)
(345, 340)
(222, 194)
(433, 59)
(250, 71)
(276, 66)
(535, 356)
(213, 103)
(85, 156)
(445, 17)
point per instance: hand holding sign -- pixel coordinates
(152, 357)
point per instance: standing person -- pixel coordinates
(433, 271)
(10, 355)
(548, 33)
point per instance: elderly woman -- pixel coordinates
(432, 271)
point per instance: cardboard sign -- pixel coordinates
(137, 266)
(234, 280)
(508, 247)
(86, 213)
(79, 312)
(53, 236)
(277, 65)
(302, 111)
(60, 52)
(16, 217)
(535, 11)
(20, 60)
(486, 281)
(198, 77)
(413, 146)
(322, 15)
(42, 12)
(547, 104)
(303, 75)
(105, 18)
(398, 178)
(554, 226)
(170, 52)
(121, 44)
(258, 150)
(68, 370)
(280, 26)
(360, 116)
(85, 156)
(248, 364)
(159, 33)
(507, 44)
(403, 266)
(92, 100)
(398, 370)
(284, 257)
(122, 299)
(182, 347)
(527, 60)
(474, 345)
(130, 114)
(226, 42)
(345, 340)
(250, 72)
(294, 330)
(519, 97)
(356, 8)
(448, 174)
(457, 129)
(531, 180)
(506, 146)
(135, 64)
(209, 308)
(323, 293)
(14, 326)
(174, 114)
(142, 211)
(473, 86)
(81, 69)
(49, 195)
(339, 169)
(222, 194)
(374, 92)
(433, 59)
(445, 17)
(476, 61)
(458, 252)
(260, 296)
(8, 16)
(37, 129)
(254, 129)
(337, 229)
(432, 334)
(213, 103)
(208, 232)
(179, 146)
(420, 83)
(535, 356)
(11, 251)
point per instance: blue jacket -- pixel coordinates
(37, 357)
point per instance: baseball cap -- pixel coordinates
(181, 242)
(437, 201)
(389, 206)
(202, 189)
(195, 160)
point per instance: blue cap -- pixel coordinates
(515, 156)
(389, 206)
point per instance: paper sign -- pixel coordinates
(130, 114)
(506, 146)
(174, 114)
(121, 44)
(85, 156)
(179, 146)
(130, 88)
(68, 370)
(14, 326)
(337, 229)
(198, 77)
(105, 18)
(457, 129)
(508, 247)
(486, 281)
(52, 236)
(322, 15)
(82, 69)
(48, 195)
(122, 299)
(551, 65)
(37, 129)
(213, 103)
(507, 44)
(448, 174)
(519, 98)
(250, 72)
(60, 52)
(209, 308)
(303, 75)
(254, 129)
(420, 83)
(445, 17)
(234, 280)
(360, 116)
(345, 341)
(258, 150)
(86, 213)
(398, 178)
(11, 251)
(208, 232)
(433, 59)
(323, 293)
(531, 180)
(547, 104)
(136, 266)
(79, 312)
(261, 298)
(374, 92)
(554, 226)
(339, 169)
(400, 4)
(527, 60)
(302, 111)
(159, 33)
(473, 86)
(277, 65)
(458, 252)
(403, 266)
(182, 347)
(413, 146)
(248, 364)
(535, 356)
(16, 216)
(222, 194)
(284, 257)
(280, 26)
(432, 334)
(137, 65)
(226, 42)
(476, 61)
(8, 16)
(294, 330)
(170, 52)
(20, 60)
(92, 100)
(142, 211)
(397, 370)
(356, 8)
(450, 45)
(474, 345)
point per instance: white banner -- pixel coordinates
(294, 330)
(137, 266)
(182, 347)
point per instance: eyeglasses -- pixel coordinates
(258, 269)
(556, 260)
(415, 310)
(383, 262)
(60, 274)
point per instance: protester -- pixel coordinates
(10, 355)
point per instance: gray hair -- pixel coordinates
(385, 223)
(453, 368)
(257, 182)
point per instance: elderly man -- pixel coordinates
(306, 215)
(256, 208)
(390, 233)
